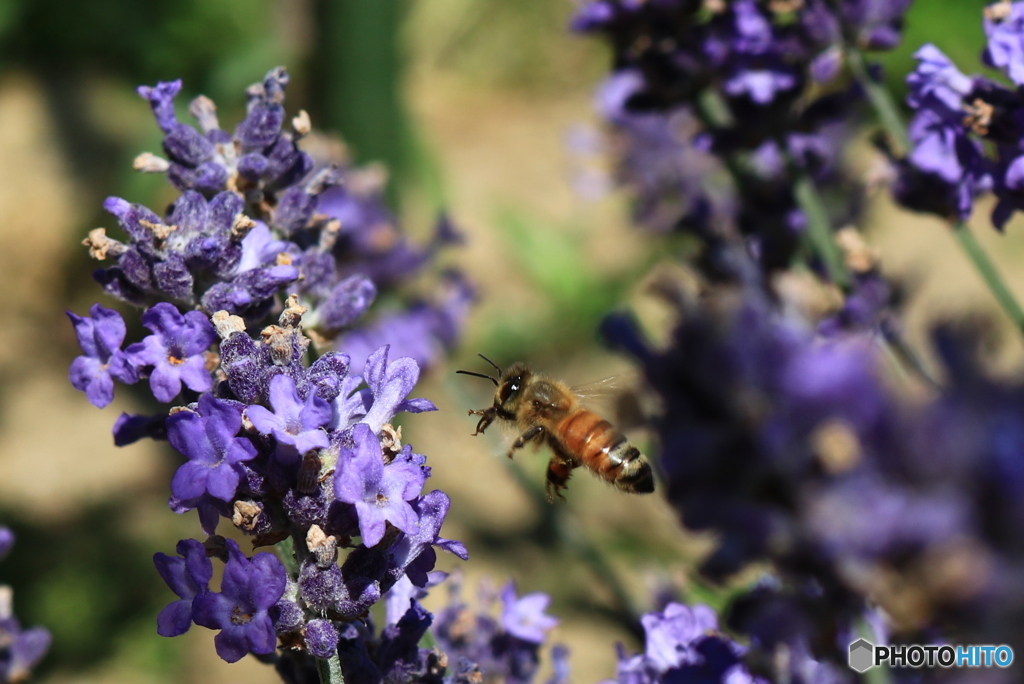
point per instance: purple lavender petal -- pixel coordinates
(1005, 48)
(248, 590)
(175, 351)
(380, 493)
(293, 421)
(524, 618)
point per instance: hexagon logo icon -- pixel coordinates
(862, 655)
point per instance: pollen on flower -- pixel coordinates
(240, 618)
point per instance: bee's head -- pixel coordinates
(509, 382)
(510, 386)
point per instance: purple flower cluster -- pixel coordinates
(295, 448)
(718, 108)
(20, 649)
(284, 451)
(793, 449)
(966, 134)
(258, 216)
(508, 646)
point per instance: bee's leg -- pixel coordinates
(522, 440)
(559, 472)
(488, 418)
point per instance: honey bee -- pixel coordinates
(546, 411)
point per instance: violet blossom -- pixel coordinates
(188, 575)
(100, 337)
(380, 493)
(175, 353)
(249, 589)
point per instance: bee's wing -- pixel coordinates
(615, 397)
(604, 387)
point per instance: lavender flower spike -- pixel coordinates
(240, 610)
(100, 338)
(174, 353)
(293, 423)
(379, 493)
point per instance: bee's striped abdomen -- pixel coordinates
(604, 450)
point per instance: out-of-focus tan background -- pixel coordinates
(489, 94)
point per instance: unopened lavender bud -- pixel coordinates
(282, 342)
(292, 314)
(324, 179)
(390, 441)
(241, 226)
(329, 235)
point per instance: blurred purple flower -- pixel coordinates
(524, 617)
(6, 541)
(1004, 31)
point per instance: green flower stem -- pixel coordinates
(881, 99)
(819, 229)
(330, 670)
(988, 272)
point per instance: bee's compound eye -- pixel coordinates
(514, 387)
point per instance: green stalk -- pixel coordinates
(881, 99)
(819, 229)
(988, 272)
(330, 670)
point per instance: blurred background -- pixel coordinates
(481, 107)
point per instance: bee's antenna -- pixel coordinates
(479, 375)
(496, 366)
